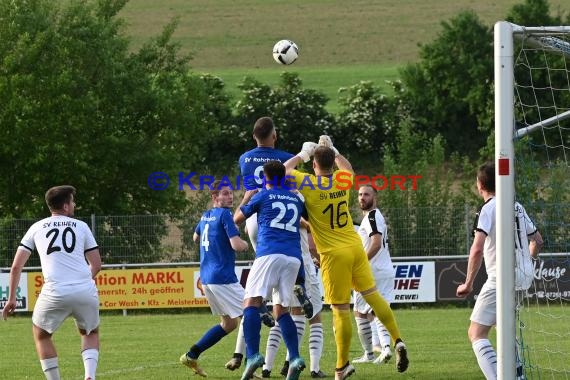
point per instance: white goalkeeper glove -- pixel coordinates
(307, 150)
(325, 140)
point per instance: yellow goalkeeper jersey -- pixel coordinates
(327, 206)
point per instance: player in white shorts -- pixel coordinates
(70, 261)
(276, 265)
(527, 239)
(314, 292)
(374, 235)
(219, 238)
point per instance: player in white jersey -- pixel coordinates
(374, 235)
(70, 261)
(484, 315)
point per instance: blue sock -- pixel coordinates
(210, 338)
(251, 330)
(289, 331)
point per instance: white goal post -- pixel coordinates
(505, 37)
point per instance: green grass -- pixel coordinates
(327, 80)
(148, 347)
(341, 43)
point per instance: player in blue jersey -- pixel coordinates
(251, 169)
(251, 164)
(219, 238)
(276, 265)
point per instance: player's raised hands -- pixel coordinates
(325, 140)
(307, 150)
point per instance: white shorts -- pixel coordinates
(313, 287)
(225, 299)
(275, 271)
(251, 226)
(384, 284)
(52, 309)
(485, 309)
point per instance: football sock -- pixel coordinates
(364, 333)
(50, 368)
(251, 330)
(240, 340)
(289, 332)
(210, 338)
(383, 334)
(300, 322)
(315, 345)
(90, 359)
(342, 335)
(384, 313)
(486, 357)
(374, 331)
(273, 343)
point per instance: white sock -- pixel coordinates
(374, 330)
(486, 357)
(240, 340)
(383, 334)
(273, 342)
(364, 334)
(300, 322)
(50, 368)
(90, 360)
(315, 345)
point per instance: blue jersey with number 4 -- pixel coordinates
(251, 164)
(217, 258)
(278, 214)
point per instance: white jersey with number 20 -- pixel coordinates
(62, 243)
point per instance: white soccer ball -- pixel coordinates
(285, 52)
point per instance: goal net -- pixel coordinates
(532, 151)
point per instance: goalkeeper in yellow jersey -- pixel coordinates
(344, 263)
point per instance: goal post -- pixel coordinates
(526, 107)
(504, 194)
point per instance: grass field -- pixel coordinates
(341, 43)
(148, 347)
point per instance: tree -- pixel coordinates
(78, 108)
(367, 123)
(299, 114)
(447, 92)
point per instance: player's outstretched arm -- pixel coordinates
(238, 244)
(304, 155)
(292, 163)
(239, 217)
(343, 164)
(93, 258)
(535, 244)
(20, 260)
(473, 265)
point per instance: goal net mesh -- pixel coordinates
(542, 186)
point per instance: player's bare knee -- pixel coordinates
(40, 333)
(230, 324)
(84, 332)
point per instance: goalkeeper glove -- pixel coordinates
(307, 151)
(325, 140)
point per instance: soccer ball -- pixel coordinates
(285, 52)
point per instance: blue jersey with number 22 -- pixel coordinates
(278, 214)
